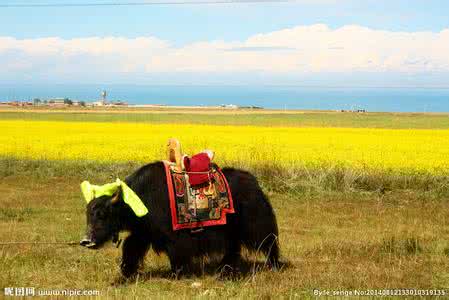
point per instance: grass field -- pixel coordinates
(361, 204)
(238, 117)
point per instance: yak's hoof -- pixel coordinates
(129, 275)
(177, 272)
(228, 272)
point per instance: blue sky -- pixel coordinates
(187, 23)
(232, 25)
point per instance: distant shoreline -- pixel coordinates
(273, 98)
(142, 109)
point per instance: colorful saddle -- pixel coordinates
(199, 192)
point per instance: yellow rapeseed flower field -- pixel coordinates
(391, 149)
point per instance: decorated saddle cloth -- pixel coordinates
(201, 205)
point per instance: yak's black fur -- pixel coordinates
(253, 224)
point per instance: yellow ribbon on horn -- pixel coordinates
(91, 191)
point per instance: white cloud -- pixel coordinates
(299, 50)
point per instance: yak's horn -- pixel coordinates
(116, 197)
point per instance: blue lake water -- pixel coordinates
(278, 97)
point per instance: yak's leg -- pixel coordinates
(179, 262)
(134, 250)
(232, 255)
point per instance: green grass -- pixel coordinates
(333, 240)
(305, 180)
(310, 119)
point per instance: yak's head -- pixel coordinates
(101, 221)
(103, 209)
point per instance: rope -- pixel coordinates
(38, 243)
(88, 4)
(185, 172)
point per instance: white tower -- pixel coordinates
(104, 94)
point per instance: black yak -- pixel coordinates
(253, 225)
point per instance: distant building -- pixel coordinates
(57, 102)
(229, 106)
(356, 110)
(109, 104)
(98, 103)
(251, 107)
(119, 103)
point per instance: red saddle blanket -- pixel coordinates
(201, 205)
